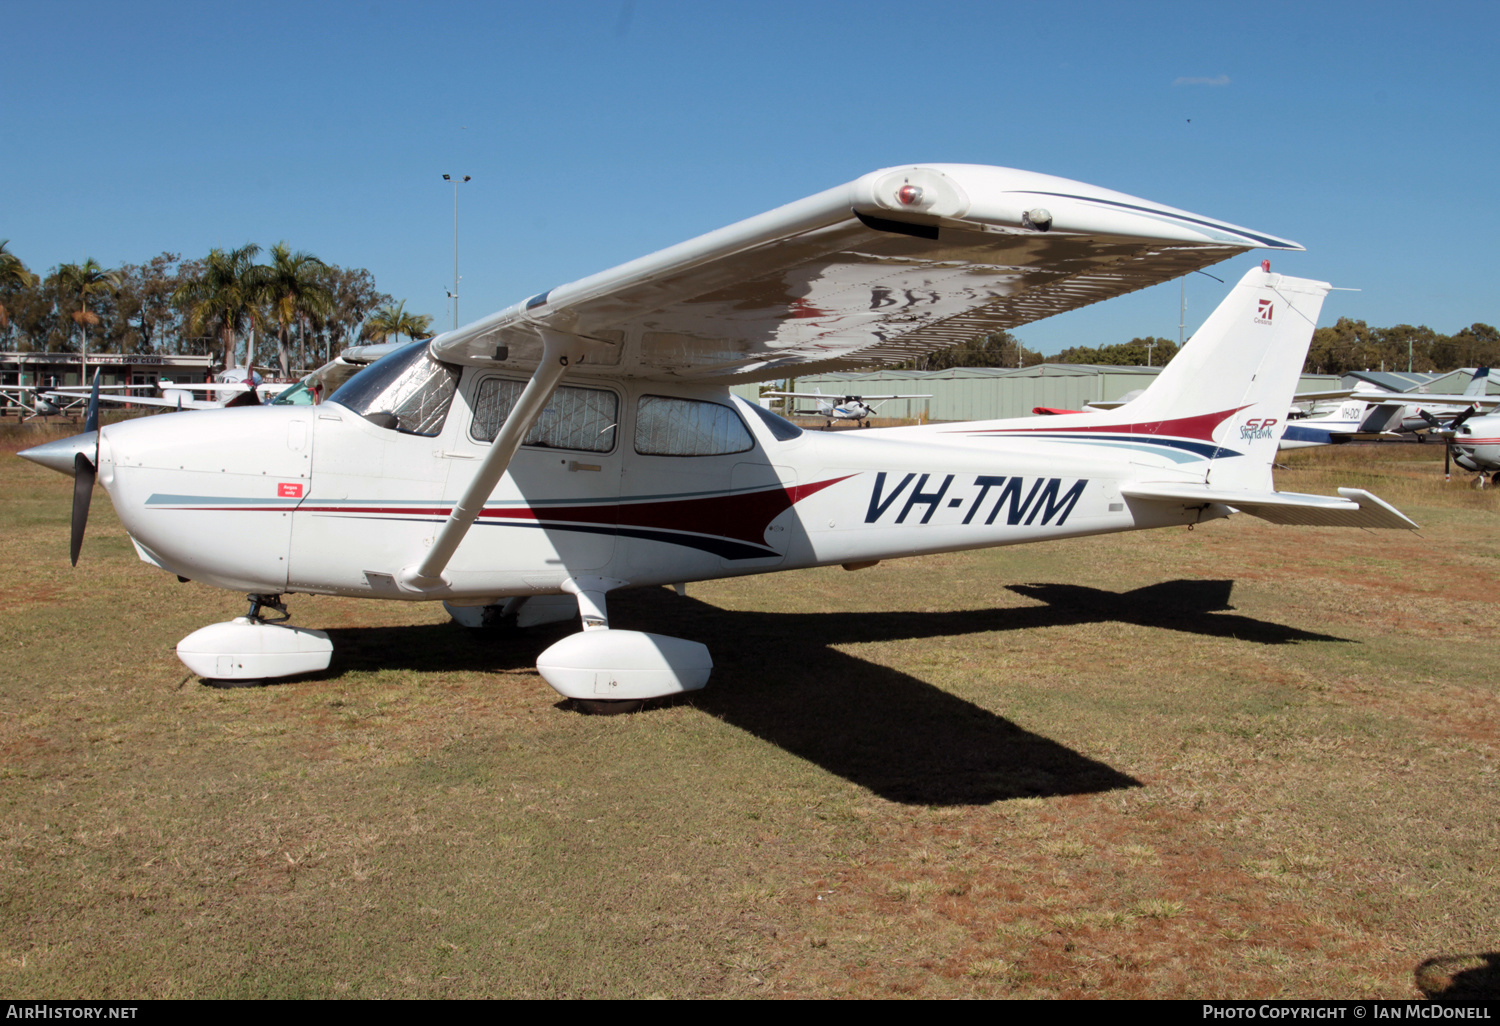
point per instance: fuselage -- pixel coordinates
(1476, 444)
(633, 480)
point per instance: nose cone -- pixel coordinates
(58, 455)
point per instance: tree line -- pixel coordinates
(172, 305)
(1351, 345)
(293, 304)
(1002, 349)
(1348, 345)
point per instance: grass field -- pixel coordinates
(1242, 761)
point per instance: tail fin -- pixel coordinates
(1233, 382)
(1479, 384)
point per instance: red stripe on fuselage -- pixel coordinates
(1200, 427)
(742, 516)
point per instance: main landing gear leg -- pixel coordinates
(254, 647)
(611, 671)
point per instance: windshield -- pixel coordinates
(298, 395)
(408, 391)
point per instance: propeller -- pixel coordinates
(250, 397)
(1458, 421)
(85, 470)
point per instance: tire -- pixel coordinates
(607, 706)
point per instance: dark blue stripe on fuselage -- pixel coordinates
(1207, 450)
(726, 548)
(1317, 436)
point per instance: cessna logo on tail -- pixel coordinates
(1023, 504)
(1263, 311)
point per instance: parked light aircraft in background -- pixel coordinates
(231, 387)
(584, 440)
(1474, 444)
(234, 386)
(1396, 411)
(1429, 415)
(858, 408)
(51, 400)
(1350, 419)
(34, 400)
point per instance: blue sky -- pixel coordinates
(598, 131)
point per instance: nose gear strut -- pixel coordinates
(259, 602)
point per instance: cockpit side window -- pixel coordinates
(408, 391)
(668, 426)
(575, 418)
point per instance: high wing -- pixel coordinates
(1425, 399)
(895, 264)
(142, 400)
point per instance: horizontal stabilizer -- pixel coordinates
(1356, 508)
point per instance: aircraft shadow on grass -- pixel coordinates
(778, 677)
(1460, 977)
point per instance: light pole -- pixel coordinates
(454, 293)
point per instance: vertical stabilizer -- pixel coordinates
(1236, 376)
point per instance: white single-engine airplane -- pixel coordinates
(1474, 443)
(584, 440)
(858, 408)
(234, 386)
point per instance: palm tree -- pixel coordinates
(225, 297)
(12, 272)
(85, 279)
(291, 285)
(392, 319)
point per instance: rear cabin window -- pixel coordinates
(582, 419)
(666, 426)
(781, 429)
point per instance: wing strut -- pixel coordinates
(558, 352)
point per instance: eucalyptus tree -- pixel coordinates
(291, 285)
(85, 280)
(393, 319)
(13, 274)
(144, 319)
(354, 296)
(225, 296)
